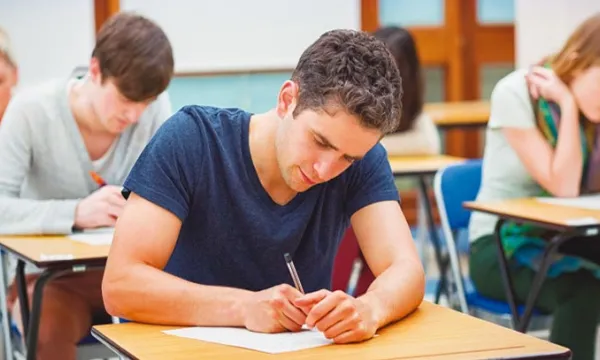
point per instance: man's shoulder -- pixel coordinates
(39, 96)
(207, 120)
(212, 116)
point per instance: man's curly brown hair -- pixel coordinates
(351, 71)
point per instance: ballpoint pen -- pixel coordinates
(293, 273)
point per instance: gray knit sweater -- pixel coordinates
(44, 165)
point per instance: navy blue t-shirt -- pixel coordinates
(198, 167)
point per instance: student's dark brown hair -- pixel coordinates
(136, 54)
(402, 46)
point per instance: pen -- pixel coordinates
(292, 269)
(97, 178)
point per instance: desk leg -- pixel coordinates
(442, 263)
(509, 289)
(36, 305)
(22, 293)
(422, 230)
(521, 323)
(36, 310)
(540, 276)
(357, 266)
(8, 352)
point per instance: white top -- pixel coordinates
(504, 175)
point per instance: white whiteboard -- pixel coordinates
(542, 26)
(222, 35)
(50, 38)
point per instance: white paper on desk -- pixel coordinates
(101, 236)
(268, 343)
(591, 202)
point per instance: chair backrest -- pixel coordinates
(454, 185)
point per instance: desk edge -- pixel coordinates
(114, 347)
(52, 264)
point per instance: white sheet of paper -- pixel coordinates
(101, 236)
(268, 343)
(591, 202)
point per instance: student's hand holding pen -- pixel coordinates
(101, 208)
(272, 310)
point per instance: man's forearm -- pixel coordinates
(396, 292)
(145, 294)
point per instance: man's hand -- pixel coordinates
(339, 316)
(101, 208)
(272, 310)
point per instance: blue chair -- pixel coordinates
(453, 186)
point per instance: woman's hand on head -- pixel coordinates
(544, 82)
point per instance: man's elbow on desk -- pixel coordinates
(396, 292)
(115, 294)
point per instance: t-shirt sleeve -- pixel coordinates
(370, 181)
(510, 105)
(167, 170)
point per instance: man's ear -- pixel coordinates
(94, 71)
(287, 99)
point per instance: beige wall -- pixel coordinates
(541, 26)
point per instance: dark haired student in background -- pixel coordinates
(54, 135)
(416, 133)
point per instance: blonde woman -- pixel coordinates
(543, 139)
(8, 71)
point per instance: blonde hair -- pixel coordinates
(6, 50)
(580, 51)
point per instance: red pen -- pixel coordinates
(97, 178)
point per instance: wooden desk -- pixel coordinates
(555, 217)
(39, 250)
(462, 114)
(432, 332)
(421, 165)
(550, 216)
(56, 256)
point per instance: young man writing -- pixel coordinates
(55, 135)
(220, 195)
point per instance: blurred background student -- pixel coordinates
(8, 72)
(543, 140)
(416, 134)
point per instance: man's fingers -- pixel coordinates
(343, 311)
(349, 323)
(311, 298)
(293, 313)
(324, 307)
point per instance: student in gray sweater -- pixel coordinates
(54, 136)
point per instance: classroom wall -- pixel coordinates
(52, 37)
(224, 35)
(49, 38)
(541, 26)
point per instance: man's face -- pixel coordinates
(316, 146)
(114, 111)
